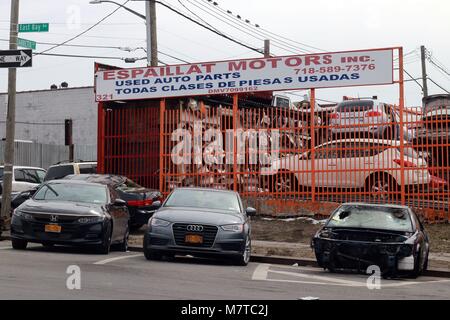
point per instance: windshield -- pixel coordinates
(204, 199)
(365, 217)
(72, 192)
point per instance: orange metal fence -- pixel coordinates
(362, 150)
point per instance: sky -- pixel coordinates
(315, 26)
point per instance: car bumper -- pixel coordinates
(166, 244)
(79, 234)
(360, 255)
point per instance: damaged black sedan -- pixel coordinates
(359, 235)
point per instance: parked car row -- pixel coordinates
(90, 210)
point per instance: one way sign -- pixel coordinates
(15, 58)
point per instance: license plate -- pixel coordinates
(53, 228)
(193, 238)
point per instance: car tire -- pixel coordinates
(244, 258)
(19, 244)
(381, 186)
(152, 255)
(123, 246)
(47, 245)
(416, 272)
(135, 227)
(105, 247)
(285, 182)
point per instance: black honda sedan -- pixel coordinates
(200, 222)
(360, 235)
(65, 212)
(139, 199)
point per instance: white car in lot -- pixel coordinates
(24, 178)
(369, 117)
(370, 164)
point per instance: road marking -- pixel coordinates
(260, 272)
(5, 248)
(101, 262)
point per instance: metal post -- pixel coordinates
(152, 47)
(162, 152)
(401, 83)
(424, 71)
(10, 121)
(235, 141)
(312, 102)
(267, 48)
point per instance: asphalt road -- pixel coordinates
(39, 273)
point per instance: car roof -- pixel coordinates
(24, 167)
(109, 179)
(394, 206)
(206, 189)
(394, 143)
(72, 163)
(80, 182)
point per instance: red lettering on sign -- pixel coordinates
(109, 75)
(237, 66)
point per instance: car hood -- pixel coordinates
(198, 215)
(62, 207)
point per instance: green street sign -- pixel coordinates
(24, 43)
(33, 27)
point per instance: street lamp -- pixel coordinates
(152, 58)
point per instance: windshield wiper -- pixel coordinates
(53, 190)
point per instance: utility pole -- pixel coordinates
(424, 71)
(152, 41)
(267, 48)
(10, 122)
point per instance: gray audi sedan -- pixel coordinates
(200, 222)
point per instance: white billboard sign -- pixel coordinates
(325, 70)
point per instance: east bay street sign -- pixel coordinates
(15, 58)
(33, 27)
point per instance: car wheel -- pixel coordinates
(135, 227)
(105, 247)
(47, 245)
(380, 187)
(244, 258)
(123, 246)
(152, 255)
(19, 244)
(285, 182)
(416, 272)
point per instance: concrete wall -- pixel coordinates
(40, 115)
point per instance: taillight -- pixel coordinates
(405, 163)
(373, 114)
(334, 116)
(140, 203)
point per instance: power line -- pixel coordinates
(438, 85)
(85, 56)
(242, 28)
(216, 6)
(85, 31)
(208, 28)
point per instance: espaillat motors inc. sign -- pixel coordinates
(325, 70)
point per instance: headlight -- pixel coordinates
(155, 222)
(22, 214)
(233, 227)
(326, 234)
(86, 220)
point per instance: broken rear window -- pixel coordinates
(368, 217)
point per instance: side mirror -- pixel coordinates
(120, 203)
(26, 195)
(251, 212)
(157, 204)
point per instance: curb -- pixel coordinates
(288, 261)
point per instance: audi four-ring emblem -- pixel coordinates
(194, 228)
